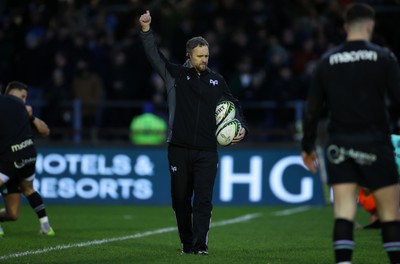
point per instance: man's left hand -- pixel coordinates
(239, 137)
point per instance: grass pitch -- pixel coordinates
(147, 234)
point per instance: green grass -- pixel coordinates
(302, 237)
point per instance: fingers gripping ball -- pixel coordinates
(227, 131)
(225, 110)
(366, 200)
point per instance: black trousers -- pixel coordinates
(193, 175)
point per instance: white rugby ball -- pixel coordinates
(227, 131)
(225, 110)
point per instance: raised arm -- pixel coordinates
(39, 125)
(157, 60)
(145, 21)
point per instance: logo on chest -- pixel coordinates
(213, 82)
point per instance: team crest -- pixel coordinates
(213, 82)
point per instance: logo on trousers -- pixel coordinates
(337, 154)
(20, 164)
(174, 168)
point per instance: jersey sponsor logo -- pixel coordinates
(22, 145)
(174, 168)
(213, 82)
(337, 155)
(20, 164)
(353, 56)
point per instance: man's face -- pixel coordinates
(199, 58)
(22, 94)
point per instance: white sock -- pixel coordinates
(344, 262)
(44, 224)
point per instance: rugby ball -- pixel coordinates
(227, 131)
(225, 110)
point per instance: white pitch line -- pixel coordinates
(292, 211)
(240, 219)
(243, 218)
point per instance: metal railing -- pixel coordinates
(77, 132)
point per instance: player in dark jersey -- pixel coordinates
(352, 83)
(11, 190)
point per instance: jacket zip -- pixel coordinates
(197, 114)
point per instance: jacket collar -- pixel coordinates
(193, 70)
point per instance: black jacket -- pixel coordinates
(192, 99)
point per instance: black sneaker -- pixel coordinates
(186, 250)
(183, 252)
(201, 252)
(374, 225)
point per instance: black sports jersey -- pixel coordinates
(16, 137)
(351, 84)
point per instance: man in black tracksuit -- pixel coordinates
(193, 93)
(352, 83)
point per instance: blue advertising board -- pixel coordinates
(266, 177)
(140, 175)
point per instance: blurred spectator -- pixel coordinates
(286, 88)
(42, 41)
(79, 49)
(88, 88)
(277, 54)
(6, 52)
(148, 128)
(242, 83)
(247, 85)
(56, 94)
(237, 44)
(302, 57)
(120, 86)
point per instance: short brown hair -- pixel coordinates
(195, 42)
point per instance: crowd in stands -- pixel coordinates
(89, 50)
